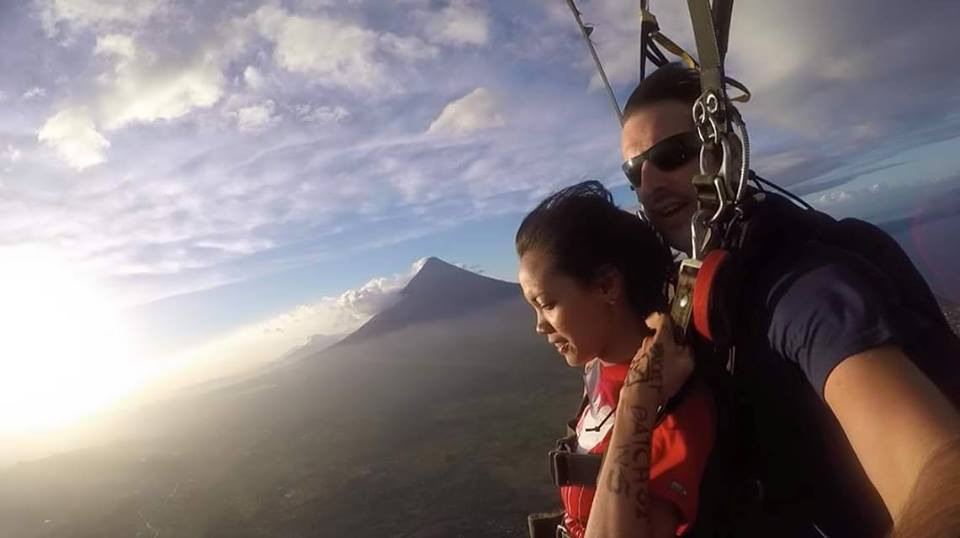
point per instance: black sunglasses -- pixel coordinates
(667, 155)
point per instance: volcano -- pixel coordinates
(438, 291)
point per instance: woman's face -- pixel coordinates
(576, 319)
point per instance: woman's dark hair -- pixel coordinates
(584, 232)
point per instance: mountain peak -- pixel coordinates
(438, 290)
(434, 264)
(435, 272)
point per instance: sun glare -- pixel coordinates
(64, 352)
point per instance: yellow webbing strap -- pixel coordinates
(742, 98)
(666, 42)
(688, 59)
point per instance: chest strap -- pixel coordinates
(568, 468)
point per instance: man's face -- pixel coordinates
(669, 198)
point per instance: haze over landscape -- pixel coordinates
(256, 257)
(430, 420)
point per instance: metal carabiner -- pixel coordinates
(741, 132)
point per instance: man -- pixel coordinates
(846, 414)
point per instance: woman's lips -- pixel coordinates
(562, 347)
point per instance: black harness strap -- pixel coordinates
(572, 469)
(567, 468)
(544, 524)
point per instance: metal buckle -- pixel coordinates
(681, 307)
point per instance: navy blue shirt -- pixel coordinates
(827, 305)
(806, 310)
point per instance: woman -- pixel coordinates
(596, 278)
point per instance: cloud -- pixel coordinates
(833, 197)
(352, 56)
(142, 91)
(257, 343)
(241, 246)
(408, 48)
(92, 13)
(253, 78)
(119, 45)
(458, 23)
(321, 114)
(372, 297)
(169, 226)
(33, 93)
(191, 202)
(12, 154)
(347, 311)
(158, 77)
(153, 88)
(74, 136)
(256, 117)
(475, 111)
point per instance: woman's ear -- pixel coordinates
(610, 285)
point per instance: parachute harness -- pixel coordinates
(720, 185)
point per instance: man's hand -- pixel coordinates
(897, 422)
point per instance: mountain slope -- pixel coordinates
(438, 291)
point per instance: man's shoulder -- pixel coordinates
(810, 271)
(817, 304)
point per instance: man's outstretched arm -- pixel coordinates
(904, 432)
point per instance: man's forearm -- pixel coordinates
(933, 508)
(621, 506)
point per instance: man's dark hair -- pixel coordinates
(672, 82)
(583, 232)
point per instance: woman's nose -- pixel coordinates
(542, 326)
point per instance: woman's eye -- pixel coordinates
(548, 306)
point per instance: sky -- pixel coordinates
(190, 188)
